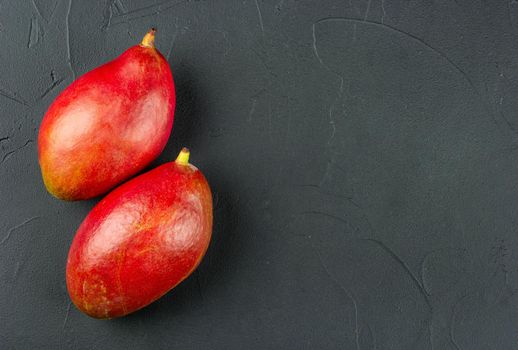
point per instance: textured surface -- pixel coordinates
(363, 157)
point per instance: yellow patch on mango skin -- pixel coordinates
(55, 191)
(96, 293)
(148, 250)
(50, 184)
(70, 184)
(120, 262)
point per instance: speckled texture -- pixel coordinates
(363, 157)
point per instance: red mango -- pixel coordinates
(141, 240)
(108, 124)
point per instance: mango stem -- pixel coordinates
(183, 157)
(149, 39)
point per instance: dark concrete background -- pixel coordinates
(363, 157)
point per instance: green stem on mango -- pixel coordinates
(149, 39)
(183, 157)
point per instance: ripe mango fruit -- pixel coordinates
(108, 124)
(141, 240)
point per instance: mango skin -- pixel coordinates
(140, 241)
(107, 125)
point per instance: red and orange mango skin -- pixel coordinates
(140, 241)
(108, 124)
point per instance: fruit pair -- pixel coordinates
(150, 233)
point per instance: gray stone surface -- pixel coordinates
(363, 157)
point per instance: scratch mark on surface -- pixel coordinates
(374, 340)
(452, 323)
(279, 6)
(9, 154)
(12, 96)
(383, 12)
(340, 90)
(260, 15)
(67, 23)
(37, 10)
(53, 75)
(127, 20)
(326, 173)
(254, 98)
(268, 69)
(53, 11)
(485, 103)
(503, 116)
(107, 14)
(4, 138)
(174, 39)
(315, 50)
(150, 7)
(338, 97)
(54, 85)
(349, 199)
(404, 265)
(66, 315)
(334, 217)
(224, 33)
(120, 6)
(339, 196)
(29, 41)
(144, 12)
(415, 38)
(14, 228)
(422, 272)
(16, 270)
(367, 10)
(35, 32)
(252, 109)
(157, 12)
(346, 292)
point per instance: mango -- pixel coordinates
(141, 240)
(108, 125)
